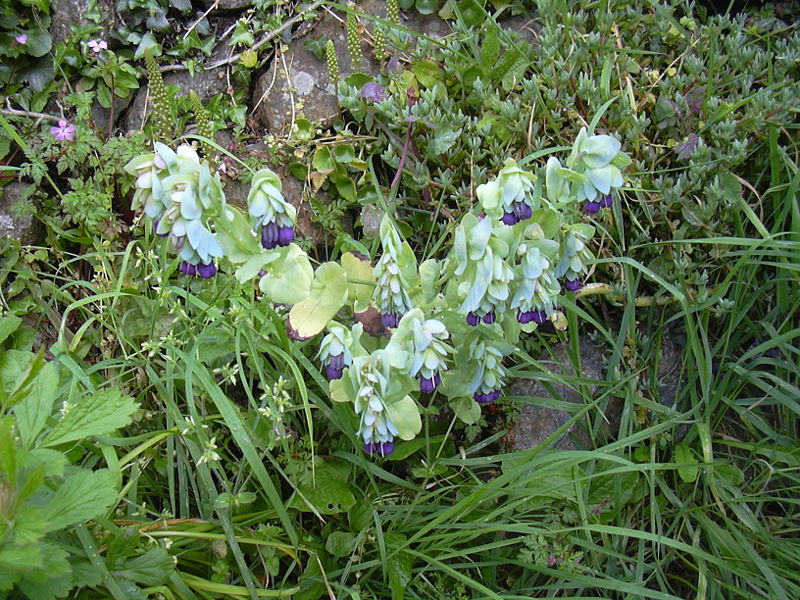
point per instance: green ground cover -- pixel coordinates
(200, 401)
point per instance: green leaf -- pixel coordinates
(327, 296)
(33, 411)
(10, 323)
(154, 567)
(360, 280)
(344, 153)
(97, 414)
(404, 414)
(427, 72)
(15, 366)
(467, 410)
(324, 488)
(340, 543)
(83, 496)
(399, 565)
(237, 238)
(323, 161)
(442, 141)
(289, 278)
(490, 49)
(685, 456)
(39, 42)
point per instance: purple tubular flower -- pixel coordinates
(537, 316)
(486, 398)
(333, 373)
(390, 320)
(188, 268)
(510, 219)
(335, 366)
(607, 201)
(522, 211)
(382, 448)
(270, 234)
(207, 271)
(489, 317)
(473, 319)
(427, 386)
(592, 207)
(285, 236)
(573, 285)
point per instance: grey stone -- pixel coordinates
(297, 83)
(226, 5)
(206, 84)
(21, 226)
(64, 14)
(537, 423)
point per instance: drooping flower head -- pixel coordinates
(513, 192)
(394, 274)
(64, 131)
(424, 343)
(272, 216)
(484, 276)
(335, 351)
(536, 284)
(372, 375)
(183, 198)
(574, 256)
(489, 373)
(595, 167)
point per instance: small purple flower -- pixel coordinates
(537, 316)
(285, 235)
(592, 207)
(21, 39)
(188, 268)
(573, 285)
(97, 46)
(335, 366)
(273, 235)
(64, 131)
(427, 386)
(473, 319)
(207, 271)
(486, 398)
(510, 219)
(373, 92)
(382, 448)
(522, 211)
(607, 201)
(390, 320)
(489, 317)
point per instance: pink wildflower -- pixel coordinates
(97, 46)
(21, 38)
(64, 131)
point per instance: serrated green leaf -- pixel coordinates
(10, 323)
(33, 411)
(97, 414)
(83, 496)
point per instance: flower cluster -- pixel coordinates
(272, 216)
(537, 287)
(480, 264)
(335, 350)
(372, 376)
(489, 375)
(391, 292)
(182, 197)
(513, 193)
(574, 256)
(424, 341)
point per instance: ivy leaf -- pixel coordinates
(97, 414)
(83, 496)
(327, 296)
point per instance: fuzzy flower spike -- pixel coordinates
(271, 215)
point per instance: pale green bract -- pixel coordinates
(575, 255)
(536, 285)
(591, 164)
(393, 274)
